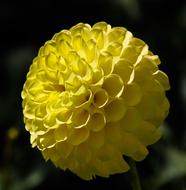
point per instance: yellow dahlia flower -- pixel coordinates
(92, 95)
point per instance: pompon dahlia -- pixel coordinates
(92, 95)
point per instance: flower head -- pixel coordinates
(92, 95)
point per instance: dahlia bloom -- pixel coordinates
(93, 95)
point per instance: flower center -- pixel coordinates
(59, 88)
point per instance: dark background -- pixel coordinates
(26, 25)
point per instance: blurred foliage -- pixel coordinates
(26, 25)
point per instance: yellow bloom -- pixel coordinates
(92, 95)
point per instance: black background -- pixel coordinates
(26, 25)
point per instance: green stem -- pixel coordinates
(134, 177)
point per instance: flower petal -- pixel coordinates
(78, 136)
(61, 133)
(132, 94)
(115, 110)
(113, 84)
(100, 98)
(97, 122)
